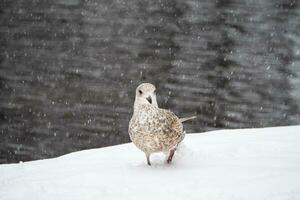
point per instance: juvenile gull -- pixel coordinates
(153, 129)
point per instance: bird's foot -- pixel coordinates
(148, 160)
(171, 154)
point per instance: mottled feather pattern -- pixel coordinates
(153, 129)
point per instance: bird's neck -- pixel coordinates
(140, 104)
(137, 107)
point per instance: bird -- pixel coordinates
(153, 129)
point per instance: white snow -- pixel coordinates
(228, 164)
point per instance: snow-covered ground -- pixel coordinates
(228, 164)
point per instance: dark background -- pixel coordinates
(69, 69)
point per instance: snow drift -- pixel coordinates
(228, 164)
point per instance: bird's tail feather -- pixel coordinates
(187, 118)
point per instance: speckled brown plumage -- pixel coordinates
(153, 129)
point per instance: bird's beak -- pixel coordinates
(149, 99)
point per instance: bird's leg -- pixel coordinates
(171, 154)
(148, 159)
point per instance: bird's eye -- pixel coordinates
(140, 91)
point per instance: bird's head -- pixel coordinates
(145, 94)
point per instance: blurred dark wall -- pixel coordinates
(69, 69)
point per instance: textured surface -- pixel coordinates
(68, 68)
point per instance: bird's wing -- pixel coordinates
(170, 122)
(187, 118)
